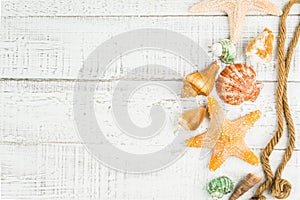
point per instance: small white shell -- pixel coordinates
(225, 50)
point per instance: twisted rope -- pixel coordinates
(280, 188)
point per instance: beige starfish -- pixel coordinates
(237, 10)
(225, 137)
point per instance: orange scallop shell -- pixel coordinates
(237, 83)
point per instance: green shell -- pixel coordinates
(220, 186)
(228, 51)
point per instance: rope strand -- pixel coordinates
(280, 188)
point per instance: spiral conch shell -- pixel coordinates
(219, 187)
(200, 83)
(261, 48)
(191, 119)
(237, 83)
(246, 184)
(225, 50)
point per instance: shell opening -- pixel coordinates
(217, 49)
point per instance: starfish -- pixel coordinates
(236, 11)
(225, 137)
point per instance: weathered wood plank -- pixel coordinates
(41, 154)
(70, 172)
(106, 7)
(42, 112)
(57, 47)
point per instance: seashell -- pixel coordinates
(246, 184)
(191, 119)
(225, 50)
(237, 83)
(200, 83)
(260, 49)
(220, 186)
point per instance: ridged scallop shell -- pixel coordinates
(225, 50)
(219, 187)
(200, 83)
(260, 49)
(237, 83)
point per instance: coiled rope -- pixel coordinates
(280, 188)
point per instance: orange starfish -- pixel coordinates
(237, 10)
(225, 137)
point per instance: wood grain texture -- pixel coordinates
(107, 7)
(43, 45)
(53, 171)
(42, 112)
(58, 47)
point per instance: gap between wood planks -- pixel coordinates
(103, 80)
(108, 8)
(5, 143)
(132, 16)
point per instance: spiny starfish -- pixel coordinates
(237, 10)
(225, 137)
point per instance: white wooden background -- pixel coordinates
(43, 45)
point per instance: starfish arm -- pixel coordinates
(266, 6)
(244, 123)
(236, 19)
(243, 152)
(218, 157)
(215, 110)
(216, 123)
(197, 141)
(211, 5)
